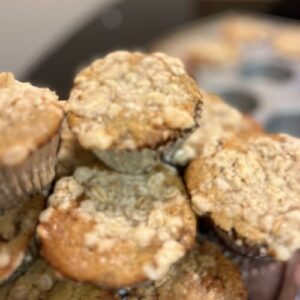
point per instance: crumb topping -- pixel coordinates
(287, 41)
(41, 282)
(71, 155)
(132, 100)
(22, 105)
(243, 29)
(202, 274)
(252, 186)
(145, 209)
(219, 122)
(215, 52)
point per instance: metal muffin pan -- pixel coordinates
(260, 83)
(265, 86)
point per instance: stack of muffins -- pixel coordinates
(106, 214)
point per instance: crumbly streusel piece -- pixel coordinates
(133, 103)
(250, 189)
(17, 227)
(40, 282)
(71, 155)
(219, 122)
(117, 229)
(30, 119)
(203, 274)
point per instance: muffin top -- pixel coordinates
(40, 282)
(132, 101)
(251, 187)
(219, 122)
(29, 118)
(203, 274)
(133, 227)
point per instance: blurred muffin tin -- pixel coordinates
(261, 82)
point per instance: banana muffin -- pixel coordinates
(250, 189)
(17, 228)
(116, 229)
(132, 109)
(203, 274)
(41, 282)
(219, 122)
(30, 120)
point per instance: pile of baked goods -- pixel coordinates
(225, 40)
(99, 194)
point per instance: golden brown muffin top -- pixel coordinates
(132, 101)
(133, 227)
(251, 186)
(219, 122)
(203, 274)
(40, 282)
(29, 118)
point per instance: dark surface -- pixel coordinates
(129, 24)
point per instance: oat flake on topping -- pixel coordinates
(251, 185)
(132, 100)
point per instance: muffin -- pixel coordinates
(116, 229)
(241, 29)
(250, 190)
(287, 42)
(204, 274)
(17, 228)
(30, 120)
(132, 109)
(71, 155)
(219, 122)
(40, 282)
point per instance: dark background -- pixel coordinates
(133, 24)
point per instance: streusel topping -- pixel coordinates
(149, 211)
(132, 100)
(203, 274)
(219, 122)
(21, 106)
(251, 185)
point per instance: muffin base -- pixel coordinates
(139, 161)
(133, 162)
(31, 177)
